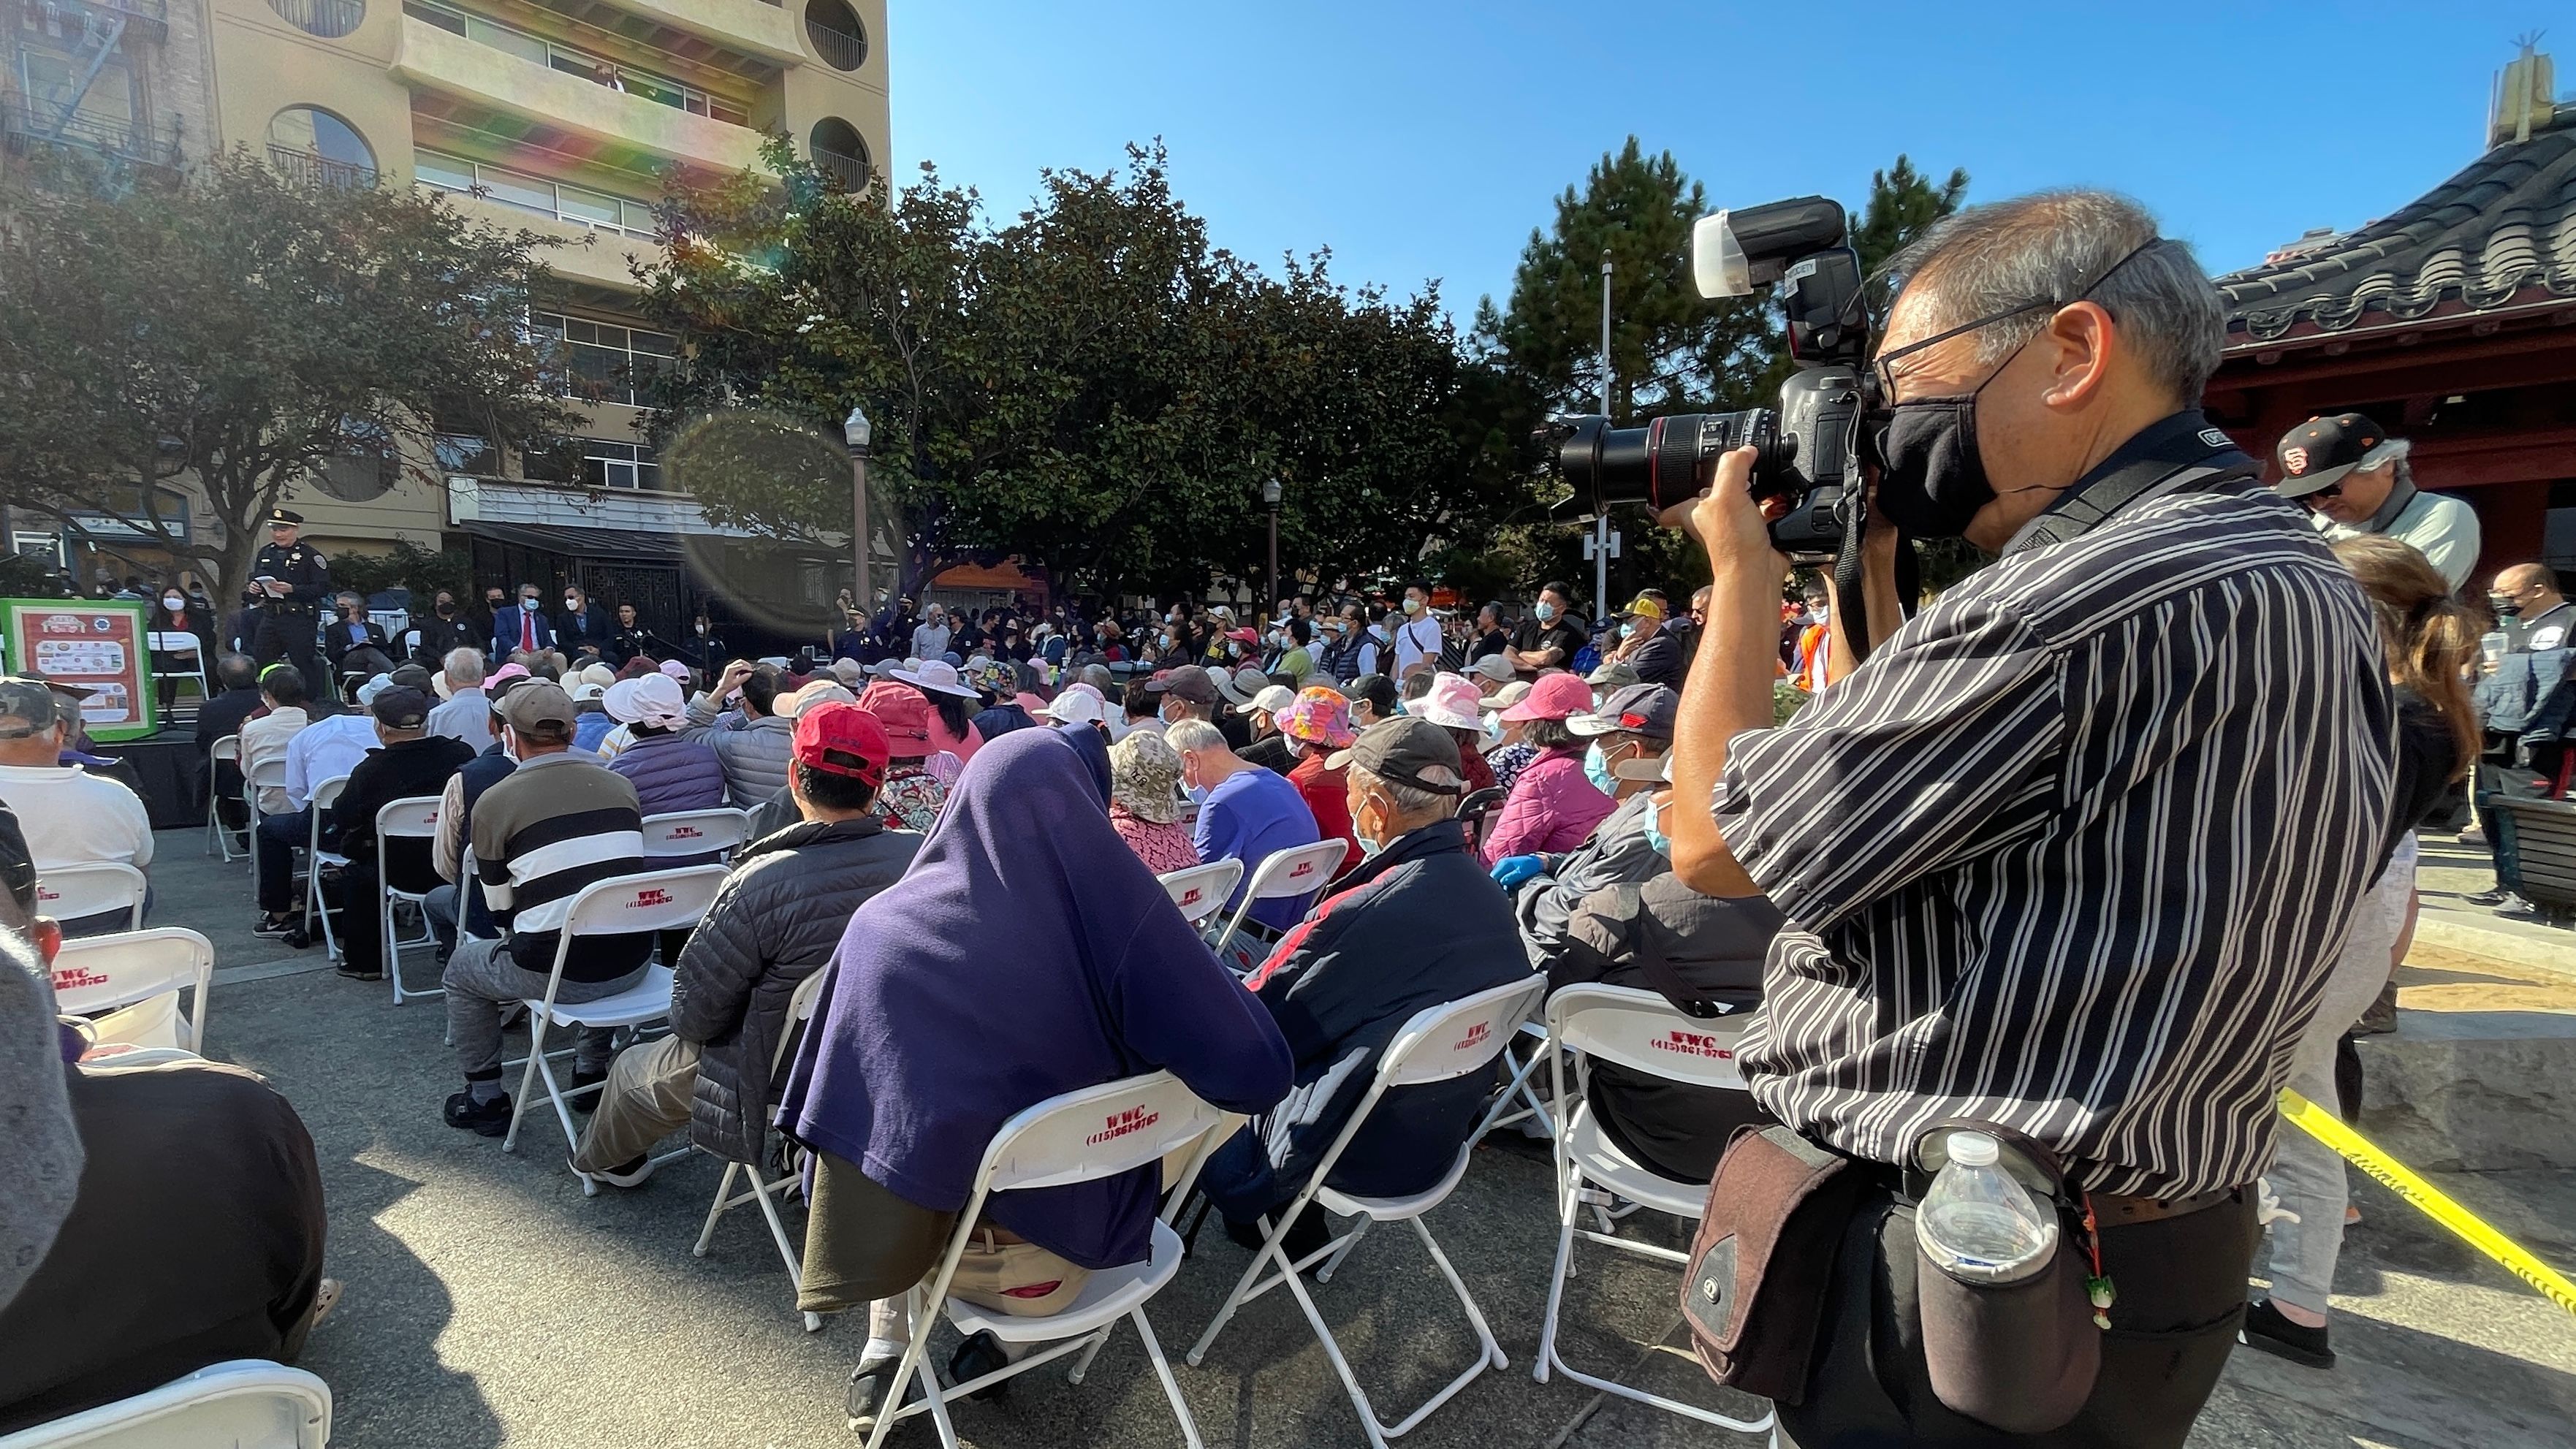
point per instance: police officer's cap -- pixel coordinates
(285, 518)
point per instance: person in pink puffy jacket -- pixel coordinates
(1553, 805)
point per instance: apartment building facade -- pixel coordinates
(564, 117)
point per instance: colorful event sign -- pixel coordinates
(100, 645)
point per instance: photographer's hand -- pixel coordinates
(1729, 690)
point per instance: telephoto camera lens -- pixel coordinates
(1659, 464)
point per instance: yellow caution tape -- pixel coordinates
(2359, 1151)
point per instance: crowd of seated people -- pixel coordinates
(973, 884)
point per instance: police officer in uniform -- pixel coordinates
(289, 602)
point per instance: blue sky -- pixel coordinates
(1424, 140)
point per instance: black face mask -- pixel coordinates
(1931, 478)
(446, 607)
(2505, 605)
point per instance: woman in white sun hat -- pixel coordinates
(1453, 704)
(953, 703)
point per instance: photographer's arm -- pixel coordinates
(1878, 591)
(1729, 689)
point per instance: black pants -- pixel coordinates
(2181, 1292)
(293, 634)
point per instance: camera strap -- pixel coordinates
(2181, 453)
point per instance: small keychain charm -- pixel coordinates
(2097, 1285)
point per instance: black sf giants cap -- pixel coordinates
(2317, 453)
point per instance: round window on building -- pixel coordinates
(839, 153)
(836, 33)
(320, 147)
(329, 19)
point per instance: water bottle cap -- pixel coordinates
(1973, 1149)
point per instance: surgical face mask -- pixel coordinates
(1198, 794)
(1822, 613)
(1596, 768)
(1543, 611)
(1366, 836)
(1627, 631)
(702, 626)
(573, 605)
(1413, 606)
(173, 601)
(1662, 843)
(527, 601)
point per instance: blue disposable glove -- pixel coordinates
(1511, 870)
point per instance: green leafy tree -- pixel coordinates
(1091, 388)
(238, 330)
(1902, 202)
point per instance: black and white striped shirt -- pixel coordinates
(2074, 850)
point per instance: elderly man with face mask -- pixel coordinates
(2027, 848)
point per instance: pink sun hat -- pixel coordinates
(1554, 696)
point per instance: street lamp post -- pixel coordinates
(1270, 490)
(854, 430)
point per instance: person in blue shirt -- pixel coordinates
(1245, 812)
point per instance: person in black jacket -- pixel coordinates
(583, 628)
(413, 762)
(1702, 954)
(446, 628)
(774, 923)
(1417, 924)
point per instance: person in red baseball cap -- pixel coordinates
(774, 923)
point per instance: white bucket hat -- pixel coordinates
(936, 675)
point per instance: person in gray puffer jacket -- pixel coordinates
(754, 743)
(775, 922)
(1620, 852)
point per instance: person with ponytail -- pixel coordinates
(2431, 645)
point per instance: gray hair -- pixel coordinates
(2054, 248)
(1189, 736)
(464, 667)
(1411, 801)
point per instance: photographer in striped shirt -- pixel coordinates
(2072, 851)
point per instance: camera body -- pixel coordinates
(1804, 472)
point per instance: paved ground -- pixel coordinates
(490, 1304)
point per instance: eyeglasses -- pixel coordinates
(1884, 377)
(2331, 490)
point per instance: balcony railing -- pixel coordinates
(318, 170)
(329, 19)
(839, 48)
(28, 122)
(850, 171)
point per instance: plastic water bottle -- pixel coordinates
(1977, 1224)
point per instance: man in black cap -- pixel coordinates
(1414, 925)
(1187, 692)
(2353, 479)
(289, 580)
(412, 763)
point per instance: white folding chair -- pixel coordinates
(183, 642)
(1440, 1043)
(247, 1403)
(104, 973)
(655, 900)
(226, 751)
(266, 775)
(325, 795)
(683, 833)
(412, 818)
(1300, 870)
(800, 1010)
(1517, 1089)
(92, 888)
(1642, 1032)
(1078, 1137)
(1201, 890)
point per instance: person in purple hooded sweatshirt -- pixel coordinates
(959, 998)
